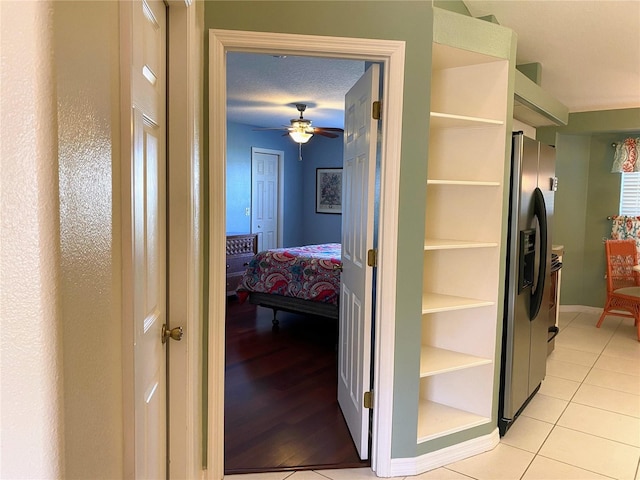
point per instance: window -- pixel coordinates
(630, 194)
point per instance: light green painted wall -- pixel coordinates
(533, 71)
(603, 198)
(572, 170)
(457, 6)
(589, 123)
(411, 22)
(587, 194)
(394, 20)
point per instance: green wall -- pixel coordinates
(456, 6)
(587, 194)
(583, 201)
(411, 22)
(569, 221)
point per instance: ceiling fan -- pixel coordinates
(301, 129)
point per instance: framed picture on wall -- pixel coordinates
(329, 190)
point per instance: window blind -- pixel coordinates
(630, 194)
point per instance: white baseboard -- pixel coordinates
(580, 309)
(414, 466)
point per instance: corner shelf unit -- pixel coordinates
(464, 218)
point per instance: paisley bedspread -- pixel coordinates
(303, 272)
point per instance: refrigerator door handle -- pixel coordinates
(540, 211)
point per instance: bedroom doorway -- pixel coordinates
(391, 55)
(277, 437)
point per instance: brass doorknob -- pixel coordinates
(174, 333)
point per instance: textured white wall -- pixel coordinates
(59, 246)
(31, 443)
(87, 77)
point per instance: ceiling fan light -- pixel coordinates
(300, 135)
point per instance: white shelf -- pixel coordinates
(436, 420)
(464, 212)
(445, 244)
(466, 183)
(449, 120)
(438, 360)
(435, 302)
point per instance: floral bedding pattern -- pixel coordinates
(305, 272)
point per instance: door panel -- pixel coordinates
(149, 232)
(264, 198)
(354, 355)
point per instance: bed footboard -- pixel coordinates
(294, 305)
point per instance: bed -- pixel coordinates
(302, 279)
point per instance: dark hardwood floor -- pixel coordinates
(281, 409)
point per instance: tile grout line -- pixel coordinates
(571, 401)
(537, 452)
(637, 472)
(555, 423)
(575, 466)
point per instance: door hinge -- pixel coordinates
(376, 110)
(372, 257)
(368, 399)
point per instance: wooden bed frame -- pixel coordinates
(294, 305)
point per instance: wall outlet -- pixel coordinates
(247, 212)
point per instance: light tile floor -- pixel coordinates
(584, 423)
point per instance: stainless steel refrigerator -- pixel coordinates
(527, 295)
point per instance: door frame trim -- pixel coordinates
(391, 54)
(185, 46)
(280, 209)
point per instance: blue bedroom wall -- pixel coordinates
(301, 225)
(240, 139)
(320, 152)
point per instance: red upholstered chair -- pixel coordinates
(623, 282)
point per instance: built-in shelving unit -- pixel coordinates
(464, 218)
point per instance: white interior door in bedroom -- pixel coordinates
(354, 354)
(265, 197)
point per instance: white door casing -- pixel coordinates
(265, 197)
(184, 230)
(149, 235)
(354, 352)
(391, 54)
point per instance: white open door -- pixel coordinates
(354, 354)
(144, 282)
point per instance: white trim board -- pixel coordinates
(184, 101)
(429, 461)
(391, 54)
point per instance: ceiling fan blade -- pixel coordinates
(301, 126)
(326, 134)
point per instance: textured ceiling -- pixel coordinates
(589, 51)
(263, 90)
